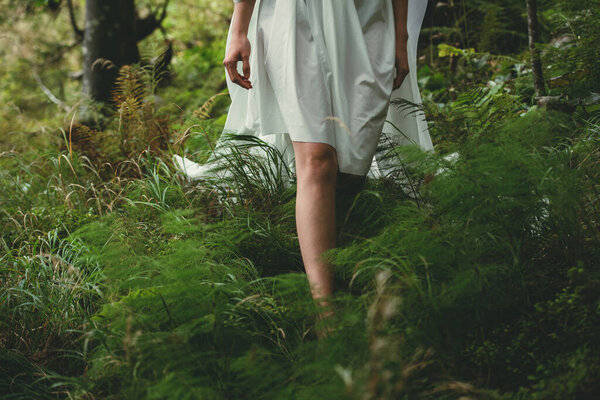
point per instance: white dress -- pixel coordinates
(322, 71)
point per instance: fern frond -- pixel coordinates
(129, 91)
(204, 111)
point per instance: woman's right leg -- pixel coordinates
(316, 171)
(349, 184)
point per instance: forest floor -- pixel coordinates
(120, 278)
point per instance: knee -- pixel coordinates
(318, 165)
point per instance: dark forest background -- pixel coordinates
(470, 272)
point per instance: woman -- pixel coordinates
(314, 78)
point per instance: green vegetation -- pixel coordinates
(471, 276)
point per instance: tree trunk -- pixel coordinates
(109, 42)
(536, 62)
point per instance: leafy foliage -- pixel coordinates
(469, 272)
(573, 58)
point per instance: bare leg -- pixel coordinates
(316, 170)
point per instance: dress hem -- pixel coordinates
(346, 164)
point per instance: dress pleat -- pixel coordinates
(322, 71)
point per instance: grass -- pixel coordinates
(121, 279)
(155, 287)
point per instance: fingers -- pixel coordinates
(399, 81)
(234, 75)
(246, 67)
(401, 74)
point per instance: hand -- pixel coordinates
(402, 68)
(239, 50)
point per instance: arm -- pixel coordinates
(401, 24)
(239, 46)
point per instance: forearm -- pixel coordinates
(401, 18)
(242, 14)
(401, 25)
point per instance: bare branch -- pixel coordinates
(50, 95)
(163, 14)
(151, 22)
(78, 32)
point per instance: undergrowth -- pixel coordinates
(470, 272)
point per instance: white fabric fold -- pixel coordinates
(322, 71)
